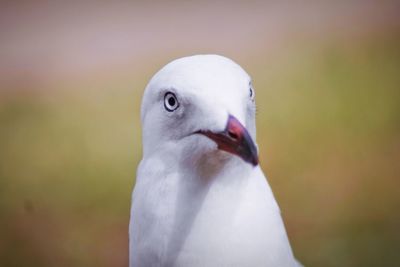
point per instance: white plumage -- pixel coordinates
(200, 197)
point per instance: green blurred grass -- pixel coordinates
(330, 139)
(328, 129)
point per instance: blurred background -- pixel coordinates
(327, 82)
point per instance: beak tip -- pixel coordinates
(255, 163)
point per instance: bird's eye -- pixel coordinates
(251, 91)
(170, 102)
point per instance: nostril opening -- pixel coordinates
(233, 135)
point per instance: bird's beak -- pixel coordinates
(235, 139)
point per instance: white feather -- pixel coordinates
(194, 205)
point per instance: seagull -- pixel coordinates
(201, 198)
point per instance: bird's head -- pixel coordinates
(204, 104)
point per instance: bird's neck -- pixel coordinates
(187, 191)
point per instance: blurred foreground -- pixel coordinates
(327, 90)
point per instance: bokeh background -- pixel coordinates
(327, 80)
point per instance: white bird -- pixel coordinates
(200, 197)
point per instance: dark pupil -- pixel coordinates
(171, 101)
(251, 92)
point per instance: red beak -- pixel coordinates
(236, 140)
